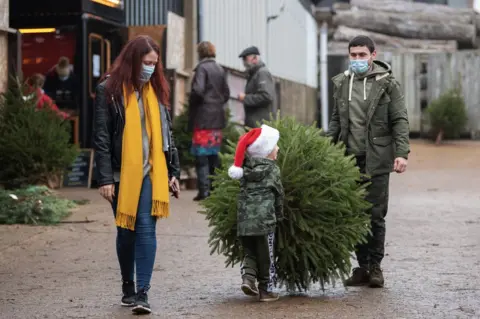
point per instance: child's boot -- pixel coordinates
(266, 296)
(248, 286)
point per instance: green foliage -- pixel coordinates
(183, 137)
(34, 143)
(33, 205)
(448, 114)
(324, 208)
(231, 133)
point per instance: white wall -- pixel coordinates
(233, 25)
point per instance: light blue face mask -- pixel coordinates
(359, 66)
(146, 72)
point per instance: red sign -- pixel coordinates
(41, 51)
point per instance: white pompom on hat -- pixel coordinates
(258, 142)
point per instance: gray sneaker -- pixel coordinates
(376, 277)
(266, 296)
(248, 287)
(129, 295)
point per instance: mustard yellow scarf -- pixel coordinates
(131, 175)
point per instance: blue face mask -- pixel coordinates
(146, 72)
(359, 66)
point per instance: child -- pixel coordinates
(260, 206)
(35, 90)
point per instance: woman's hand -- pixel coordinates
(107, 192)
(175, 186)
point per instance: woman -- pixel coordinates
(136, 160)
(208, 95)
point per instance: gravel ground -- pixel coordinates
(431, 267)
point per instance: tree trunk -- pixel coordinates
(341, 48)
(439, 138)
(406, 25)
(435, 11)
(344, 33)
(54, 181)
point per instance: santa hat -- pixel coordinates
(258, 142)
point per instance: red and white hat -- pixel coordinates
(258, 142)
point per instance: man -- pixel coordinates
(62, 87)
(370, 118)
(260, 89)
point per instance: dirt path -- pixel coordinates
(432, 267)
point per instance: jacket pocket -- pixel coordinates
(381, 155)
(381, 112)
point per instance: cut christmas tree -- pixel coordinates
(325, 210)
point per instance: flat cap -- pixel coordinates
(249, 51)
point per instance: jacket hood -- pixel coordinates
(378, 71)
(256, 169)
(379, 68)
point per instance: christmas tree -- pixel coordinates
(324, 209)
(34, 143)
(36, 205)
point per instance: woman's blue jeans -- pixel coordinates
(136, 249)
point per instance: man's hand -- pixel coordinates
(175, 186)
(107, 192)
(400, 165)
(241, 97)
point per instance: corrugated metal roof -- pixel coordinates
(233, 25)
(150, 12)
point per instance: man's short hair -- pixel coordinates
(63, 62)
(362, 41)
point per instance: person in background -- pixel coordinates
(208, 95)
(259, 93)
(61, 85)
(136, 159)
(35, 90)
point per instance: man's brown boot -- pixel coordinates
(376, 276)
(248, 287)
(360, 277)
(266, 296)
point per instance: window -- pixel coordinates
(37, 55)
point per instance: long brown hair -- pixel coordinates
(128, 65)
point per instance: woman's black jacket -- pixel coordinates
(109, 121)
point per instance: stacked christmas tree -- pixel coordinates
(324, 209)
